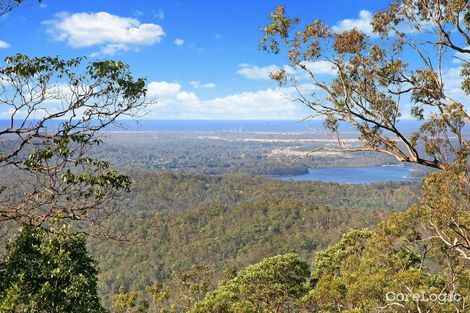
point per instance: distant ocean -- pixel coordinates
(227, 126)
(221, 125)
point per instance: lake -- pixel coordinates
(357, 175)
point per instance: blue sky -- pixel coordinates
(200, 57)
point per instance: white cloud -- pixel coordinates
(110, 32)
(362, 23)
(256, 72)
(179, 41)
(262, 104)
(187, 97)
(18, 114)
(55, 98)
(4, 44)
(166, 93)
(173, 102)
(159, 14)
(453, 84)
(321, 67)
(163, 89)
(196, 84)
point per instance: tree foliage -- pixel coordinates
(272, 285)
(228, 221)
(57, 108)
(447, 200)
(365, 270)
(375, 80)
(362, 272)
(127, 302)
(46, 271)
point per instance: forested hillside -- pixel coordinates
(170, 192)
(173, 221)
(216, 218)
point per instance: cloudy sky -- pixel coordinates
(200, 57)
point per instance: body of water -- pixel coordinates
(357, 175)
(218, 125)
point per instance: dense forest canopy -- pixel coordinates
(180, 220)
(200, 237)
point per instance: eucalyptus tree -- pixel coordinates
(395, 70)
(273, 285)
(56, 109)
(413, 62)
(52, 113)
